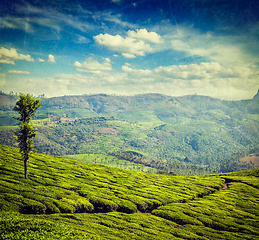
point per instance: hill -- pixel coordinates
(66, 199)
(189, 135)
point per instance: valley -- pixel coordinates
(189, 135)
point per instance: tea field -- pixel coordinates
(69, 199)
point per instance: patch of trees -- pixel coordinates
(165, 167)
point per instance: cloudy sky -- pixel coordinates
(122, 47)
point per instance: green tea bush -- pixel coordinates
(127, 206)
(83, 205)
(24, 227)
(103, 205)
(177, 217)
(10, 197)
(32, 207)
(51, 207)
(139, 202)
(64, 207)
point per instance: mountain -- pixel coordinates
(189, 135)
(66, 199)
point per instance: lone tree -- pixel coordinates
(26, 106)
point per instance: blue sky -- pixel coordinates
(126, 47)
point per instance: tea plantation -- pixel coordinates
(69, 199)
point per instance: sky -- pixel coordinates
(122, 47)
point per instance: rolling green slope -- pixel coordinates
(67, 199)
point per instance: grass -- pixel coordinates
(69, 199)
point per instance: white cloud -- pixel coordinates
(230, 68)
(187, 72)
(210, 78)
(131, 46)
(80, 70)
(7, 61)
(138, 72)
(29, 25)
(16, 23)
(91, 64)
(227, 50)
(18, 72)
(82, 84)
(126, 45)
(82, 40)
(144, 35)
(223, 53)
(113, 18)
(9, 56)
(195, 71)
(77, 64)
(47, 17)
(51, 18)
(41, 60)
(46, 22)
(127, 69)
(128, 55)
(179, 45)
(51, 58)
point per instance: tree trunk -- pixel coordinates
(25, 168)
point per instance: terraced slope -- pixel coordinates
(67, 199)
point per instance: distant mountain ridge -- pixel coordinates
(107, 103)
(161, 104)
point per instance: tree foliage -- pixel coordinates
(26, 107)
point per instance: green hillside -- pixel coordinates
(68, 199)
(189, 135)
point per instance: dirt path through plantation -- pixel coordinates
(225, 186)
(96, 160)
